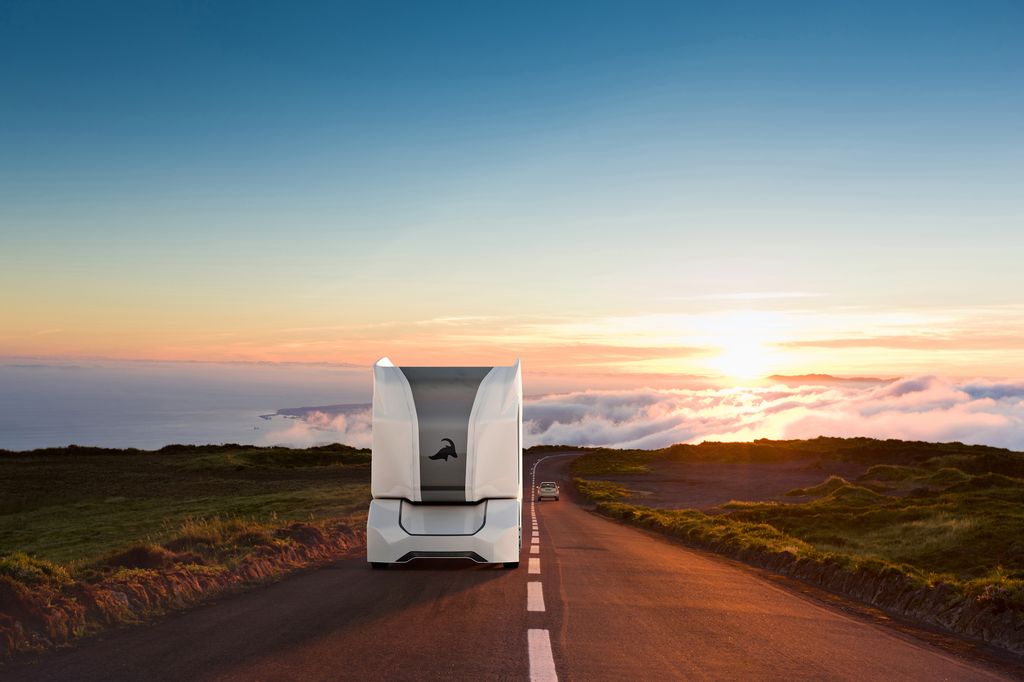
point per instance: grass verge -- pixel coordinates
(601, 491)
(91, 538)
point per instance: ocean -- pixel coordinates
(152, 404)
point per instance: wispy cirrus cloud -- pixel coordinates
(954, 340)
(747, 296)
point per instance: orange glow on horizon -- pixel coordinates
(737, 344)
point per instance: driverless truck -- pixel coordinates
(446, 469)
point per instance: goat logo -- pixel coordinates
(447, 451)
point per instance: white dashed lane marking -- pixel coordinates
(534, 596)
(542, 663)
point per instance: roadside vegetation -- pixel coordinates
(608, 462)
(601, 491)
(931, 515)
(92, 537)
(74, 505)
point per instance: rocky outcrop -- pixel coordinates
(35, 618)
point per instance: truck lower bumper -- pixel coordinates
(398, 531)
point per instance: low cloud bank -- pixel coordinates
(307, 426)
(920, 408)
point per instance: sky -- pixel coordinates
(659, 192)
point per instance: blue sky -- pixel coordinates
(176, 174)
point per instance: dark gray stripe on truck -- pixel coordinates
(444, 398)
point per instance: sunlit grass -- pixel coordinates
(72, 508)
(601, 491)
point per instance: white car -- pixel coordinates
(547, 489)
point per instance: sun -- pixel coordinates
(742, 359)
(742, 344)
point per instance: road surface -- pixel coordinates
(594, 601)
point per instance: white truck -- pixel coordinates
(446, 470)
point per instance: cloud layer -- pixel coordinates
(920, 408)
(349, 424)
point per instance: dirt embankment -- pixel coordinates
(40, 617)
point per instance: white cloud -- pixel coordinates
(349, 425)
(919, 408)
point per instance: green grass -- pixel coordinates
(601, 491)
(831, 484)
(215, 544)
(963, 535)
(32, 571)
(606, 462)
(75, 505)
(892, 472)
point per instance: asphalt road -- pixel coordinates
(618, 604)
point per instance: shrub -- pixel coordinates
(832, 484)
(986, 481)
(945, 476)
(891, 472)
(142, 556)
(600, 491)
(32, 571)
